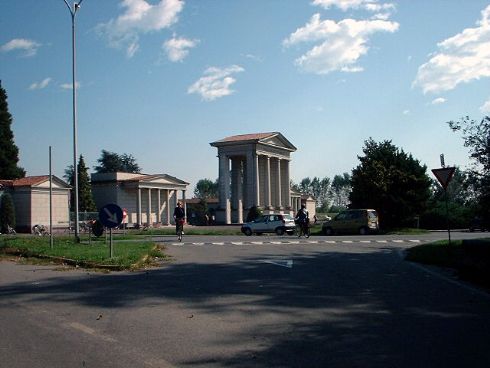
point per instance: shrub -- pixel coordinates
(7, 212)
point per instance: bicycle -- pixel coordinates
(40, 230)
(180, 229)
(10, 230)
(303, 228)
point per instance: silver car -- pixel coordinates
(271, 223)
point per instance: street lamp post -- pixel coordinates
(73, 11)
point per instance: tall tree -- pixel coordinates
(476, 136)
(113, 162)
(85, 198)
(340, 190)
(7, 213)
(206, 189)
(9, 153)
(390, 181)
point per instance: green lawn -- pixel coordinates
(127, 254)
(470, 258)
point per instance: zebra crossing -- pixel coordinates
(298, 241)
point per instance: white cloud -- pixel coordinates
(70, 85)
(29, 47)
(438, 101)
(485, 108)
(370, 5)
(406, 112)
(461, 59)
(215, 83)
(139, 17)
(341, 43)
(178, 48)
(40, 85)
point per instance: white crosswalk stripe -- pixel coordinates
(237, 243)
(415, 241)
(221, 243)
(257, 243)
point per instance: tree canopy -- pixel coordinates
(9, 153)
(476, 136)
(85, 198)
(205, 189)
(391, 182)
(112, 162)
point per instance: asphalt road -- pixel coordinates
(263, 301)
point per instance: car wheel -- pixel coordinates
(280, 231)
(247, 231)
(363, 231)
(328, 231)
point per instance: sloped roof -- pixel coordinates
(264, 138)
(151, 177)
(30, 181)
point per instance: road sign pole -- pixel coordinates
(111, 250)
(447, 218)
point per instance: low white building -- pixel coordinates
(147, 199)
(31, 201)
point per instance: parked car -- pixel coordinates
(478, 224)
(357, 221)
(271, 223)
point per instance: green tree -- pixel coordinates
(476, 136)
(7, 212)
(9, 153)
(206, 188)
(340, 190)
(316, 187)
(112, 162)
(461, 203)
(85, 198)
(390, 181)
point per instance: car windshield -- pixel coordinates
(260, 219)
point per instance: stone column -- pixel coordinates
(279, 184)
(184, 203)
(138, 207)
(250, 180)
(148, 215)
(257, 179)
(287, 186)
(267, 197)
(224, 189)
(236, 190)
(167, 201)
(159, 208)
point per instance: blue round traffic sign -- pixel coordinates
(111, 215)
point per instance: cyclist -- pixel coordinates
(302, 219)
(179, 216)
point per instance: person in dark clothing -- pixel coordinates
(179, 216)
(302, 219)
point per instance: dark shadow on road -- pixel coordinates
(331, 309)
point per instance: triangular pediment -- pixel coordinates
(163, 179)
(278, 140)
(274, 139)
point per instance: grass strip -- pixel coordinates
(470, 258)
(127, 255)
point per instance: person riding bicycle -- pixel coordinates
(179, 216)
(302, 219)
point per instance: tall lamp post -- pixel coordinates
(73, 11)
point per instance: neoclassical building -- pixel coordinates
(147, 199)
(254, 170)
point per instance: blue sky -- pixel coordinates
(162, 79)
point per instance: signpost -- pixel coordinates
(444, 176)
(111, 215)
